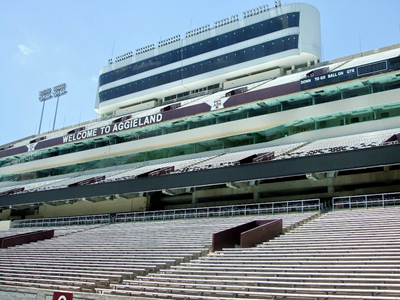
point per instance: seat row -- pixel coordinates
(341, 255)
(109, 254)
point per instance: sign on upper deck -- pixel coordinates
(312, 81)
(327, 78)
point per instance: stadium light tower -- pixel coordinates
(58, 90)
(43, 97)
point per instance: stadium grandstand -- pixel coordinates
(238, 128)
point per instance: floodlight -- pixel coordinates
(43, 97)
(58, 90)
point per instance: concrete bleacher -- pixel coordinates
(346, 254)
(99, 256)
(220, 159)
(344, 143)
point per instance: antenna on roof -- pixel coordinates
(110, 60)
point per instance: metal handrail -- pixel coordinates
(176, 214)
(63, 221)
(222, 211)
(365, 201)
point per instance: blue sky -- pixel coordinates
(48, 42)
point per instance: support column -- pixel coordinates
(331, 188)
(256, 193)
(148, 200)
(194, 199)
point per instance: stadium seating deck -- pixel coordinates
(263, 120)
(342, 255)
(345, 143)
(218, 160)
(97, 256)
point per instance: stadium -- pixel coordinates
(231, 163)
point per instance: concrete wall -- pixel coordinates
(14, 293)
(5, 225)
(81, 208)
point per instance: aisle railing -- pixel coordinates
(63, 221)
(365, 201)
(223, 211)
(299, 206)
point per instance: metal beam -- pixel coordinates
(338, 161)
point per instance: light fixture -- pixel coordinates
(43, 97)
(58, 91)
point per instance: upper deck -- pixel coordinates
(263, 44)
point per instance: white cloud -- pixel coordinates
(25, 50)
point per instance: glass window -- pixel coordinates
(202, 67)
(226, 39)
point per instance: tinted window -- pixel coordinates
(226, 39)
(215, 63)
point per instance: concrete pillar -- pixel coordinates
(194, 199)
(256, 193)
(331, 189)
(148, 200)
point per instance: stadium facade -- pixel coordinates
(265, 43)
(240, 112)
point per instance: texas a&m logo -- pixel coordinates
(63, 296)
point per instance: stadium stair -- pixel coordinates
(339, 255)
(94, 258)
